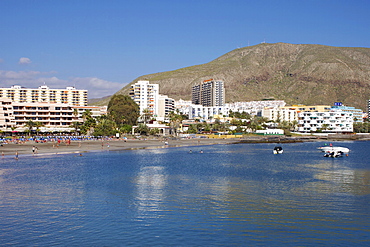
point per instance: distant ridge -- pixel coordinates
(97, 100)
(298, 74)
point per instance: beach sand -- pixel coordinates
(98, 145)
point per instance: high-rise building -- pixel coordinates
(44, 94)
(209, 93)
(146, 96)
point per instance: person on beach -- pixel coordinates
(16, 155)
(2, 154)
(33, 150)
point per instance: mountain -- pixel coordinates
(298, 74)
(98, 100)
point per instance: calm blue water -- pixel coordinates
(229, 195)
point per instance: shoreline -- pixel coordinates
(77, 147)
(80, 147)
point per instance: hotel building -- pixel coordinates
(69, 95)
(209, 93)
(52, 116)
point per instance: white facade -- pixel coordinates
(165, 106)
(146, 96)
(206, 113)
(282, 114)
(53, 116)
(69, 95)
(199, 111)
(332, 121)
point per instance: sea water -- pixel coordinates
(237, 194)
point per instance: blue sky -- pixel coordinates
(101, 45)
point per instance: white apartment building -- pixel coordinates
(206, 112)
(146, 96)
(69, 95)
(331, 121)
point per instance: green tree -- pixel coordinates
(30, 124)
(88, 122)
(142, 129)
(105, 127)
(123, 109)
(126, 129)
(175, 121)
(38, 125)
(154, 131)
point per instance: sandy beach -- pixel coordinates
(33, 148)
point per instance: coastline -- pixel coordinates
(80, 147)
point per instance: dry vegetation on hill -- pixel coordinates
(298, 74)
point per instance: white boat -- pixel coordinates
(334, 152)
(278, 150)
(330, 149)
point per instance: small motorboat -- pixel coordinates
(278, 150)
(334, 152)
(329, 149)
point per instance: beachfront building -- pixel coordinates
(44, 94)
(53, 117)
(336, 121)
(209, 93)
(147, 96)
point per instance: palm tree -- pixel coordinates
(146, 115)
(38, 125)
(30, 124)
(75, 125)
(86, 114)
(75, 113)
(175, 120)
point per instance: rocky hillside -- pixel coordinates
(298, 74)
